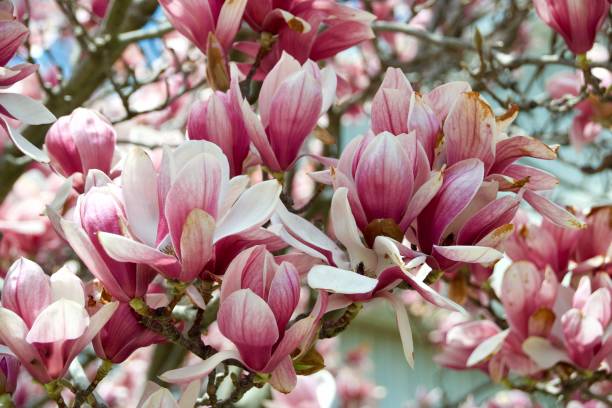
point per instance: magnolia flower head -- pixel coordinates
(44, 320)
(177, 215)
(576, 21)
(292, 99)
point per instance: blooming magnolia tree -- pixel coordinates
(228, 260)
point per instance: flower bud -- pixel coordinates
(80, 142)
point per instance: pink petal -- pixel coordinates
(283, 378)
(23, 144)
(442, 98)
(196, 244)
(339, 37)
(26, 290)
(284, 294)
(488, 218)
(84, 248)
(421, 198)
(25, 109)
(60, 321)
(284, 68)
(253, 208)
(123, 249)
(552, 211)
(229, 21)
(469, 130)
(294, 112)
(13, 332)
(461, 183)
(507, 151)
(383, 179)
(139, 188)
(197, 185)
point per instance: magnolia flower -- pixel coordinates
(43, 320)
(12, 105)
(576, 21)
(305, 29)
(80, 142)
(176, 217)
(460, 342)
(9, 373)
(584, 329)
(586, 325)
(369, 273)
(196, 19)
(291, 100)
(219, 120)
(258, 298)
(99, 210)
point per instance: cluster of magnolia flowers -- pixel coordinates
(429, 192)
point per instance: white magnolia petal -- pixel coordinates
(60, 321)
(543, 353)
(339, 280)
(252, 209)
(403, 325)
(66, 285)
(488, 347)
(197, 371)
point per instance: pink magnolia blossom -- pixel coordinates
(311, 29)
(470, 131)
(586, 326)
(43, 320)
(9, 373)
(576, 21)
(80, 142)
(188, 212)
(99, 210)
(197, 19)
(258, 298)
(461, 341)
(219, 120)
(292, 98)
